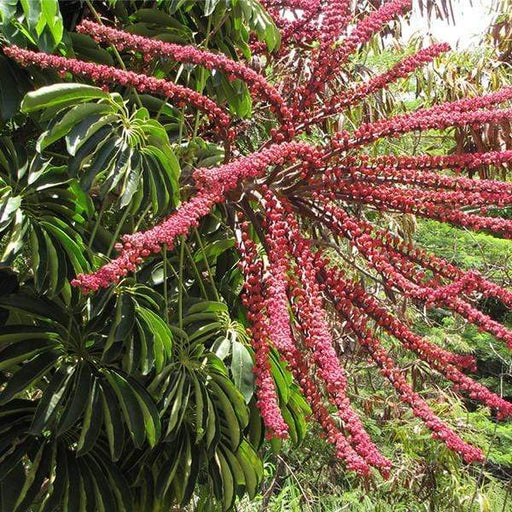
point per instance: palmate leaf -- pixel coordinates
(137, 331)
(41, 211)
(125, 153)
(107, 413)
(232, 470)
(87, 482)
(78, 394)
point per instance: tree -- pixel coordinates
(248, 196)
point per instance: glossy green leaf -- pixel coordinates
(64, 94)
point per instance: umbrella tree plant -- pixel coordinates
(129, 376)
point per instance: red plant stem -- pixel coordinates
(429, 261)
(436, 118)
(390, 198)
(391, 175)
(433, 162)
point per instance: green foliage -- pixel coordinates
(36, 21)
(126, 153)
(44, 209)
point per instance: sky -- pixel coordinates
(470, 22)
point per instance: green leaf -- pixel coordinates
(24, 351)
(175, 395)
(51, 398)
(228, 483)
(209, 6)
(14, 333)
(223, 403)
(39, 256)
(105, 499)
(82, 382)
(113, 422)
(124, 320)
(10, 487)
(40, 307)
(74, 251)
(74, 498)
(101, 160)
(13, 86)
(38, 472)
(50, 10)
(28, 375)
(235, 397)
(167, 474)
(260, 21)
(119, 486)
(206, 306)
(8, 208)
(84, 131)
(132, 412)
(53, 263)
(65, 94)
(163, 334)
(10, 461)
(58, 487)
(69, 120)
(241, 368)
(93, 420)
(213, 250)
(150, 412)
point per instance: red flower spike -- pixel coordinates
(435, 356)
(357, 321)
(281, 335)
(155, 48)
(102, 74)
(317, 337)
(252, 298)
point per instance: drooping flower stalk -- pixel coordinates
(281, 333)
(357, 323)
(464, 161)
(400, 274)
(435, 356)
(312, 323)
(252, 298)
(422, 120)
(442, 209)
(416, 178)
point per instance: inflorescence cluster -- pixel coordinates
(294, 292)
